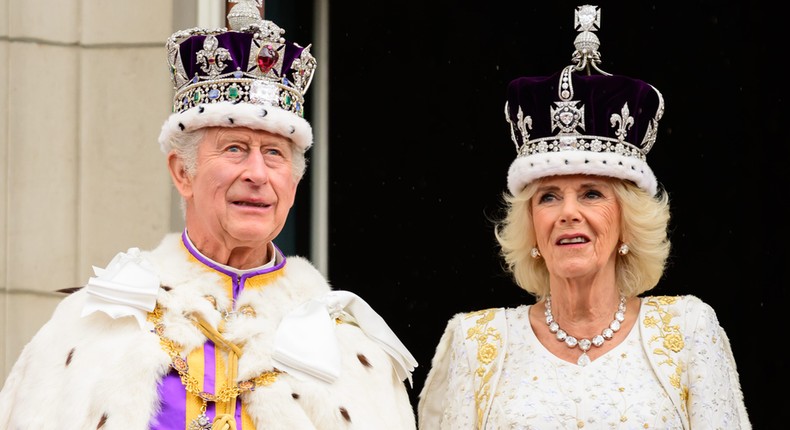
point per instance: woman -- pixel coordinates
(586, 234)
(216, 328)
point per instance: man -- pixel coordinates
(216, 328)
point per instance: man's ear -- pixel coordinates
(178, 172)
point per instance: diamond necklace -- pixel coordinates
(585, 344)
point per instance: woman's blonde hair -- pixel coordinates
(644, 222)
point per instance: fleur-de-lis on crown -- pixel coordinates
(524, 124)
(625, 120)
(212, 57)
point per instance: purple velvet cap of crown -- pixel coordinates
(603, 125)
(238, 45)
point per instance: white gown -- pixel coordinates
(674, 370)
(537, 390)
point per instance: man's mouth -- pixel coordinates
(251, 204)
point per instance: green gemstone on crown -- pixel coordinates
(233, 93)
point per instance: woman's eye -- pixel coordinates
(593, 194)
(548, 197)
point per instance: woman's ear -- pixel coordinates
(178, 173)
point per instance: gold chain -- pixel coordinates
(191, 384)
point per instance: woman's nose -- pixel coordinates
(570, 211)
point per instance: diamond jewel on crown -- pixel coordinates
(262, 92)
(588, 18)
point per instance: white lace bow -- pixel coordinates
(305, 343)
(128, 286)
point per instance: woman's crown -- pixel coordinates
(579, 122)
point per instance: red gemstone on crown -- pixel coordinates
(267, 58)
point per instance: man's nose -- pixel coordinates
(256, 170)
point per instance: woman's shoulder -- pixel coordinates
(670, 299)
(507, 310)
(685, 303)
(690, 310)
(484, 323)
(482, 319)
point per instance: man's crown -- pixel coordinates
(250, 63)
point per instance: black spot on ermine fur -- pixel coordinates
(363, 360)
(102, 421)
(345, 414)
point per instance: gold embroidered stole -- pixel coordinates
(662, 340)
(486, 340)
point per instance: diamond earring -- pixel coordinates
(623, 249)
(535, 253)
